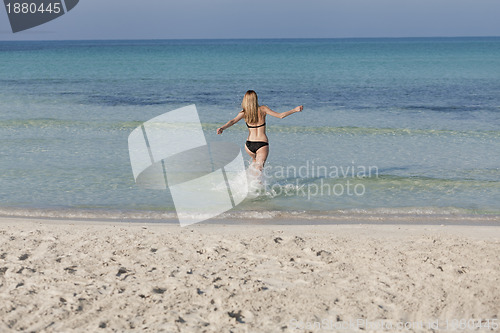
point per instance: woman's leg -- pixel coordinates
(261, 157)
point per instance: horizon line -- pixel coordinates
(244, 38)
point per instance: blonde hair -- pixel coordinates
(250, 105)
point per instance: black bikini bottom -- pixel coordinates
(253, 146)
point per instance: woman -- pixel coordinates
(257, 145)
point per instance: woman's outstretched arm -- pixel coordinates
(231, 122)
(282, 114)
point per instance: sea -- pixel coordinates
(389, 126)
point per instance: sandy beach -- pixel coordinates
(81, 276)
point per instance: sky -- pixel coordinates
(201, 19)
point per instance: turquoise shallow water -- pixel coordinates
(423, 114)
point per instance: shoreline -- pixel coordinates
(419, 216)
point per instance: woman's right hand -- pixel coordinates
(219, 130)
(299, 108)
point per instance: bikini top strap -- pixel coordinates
(264, 124)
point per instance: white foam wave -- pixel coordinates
(392, 215)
